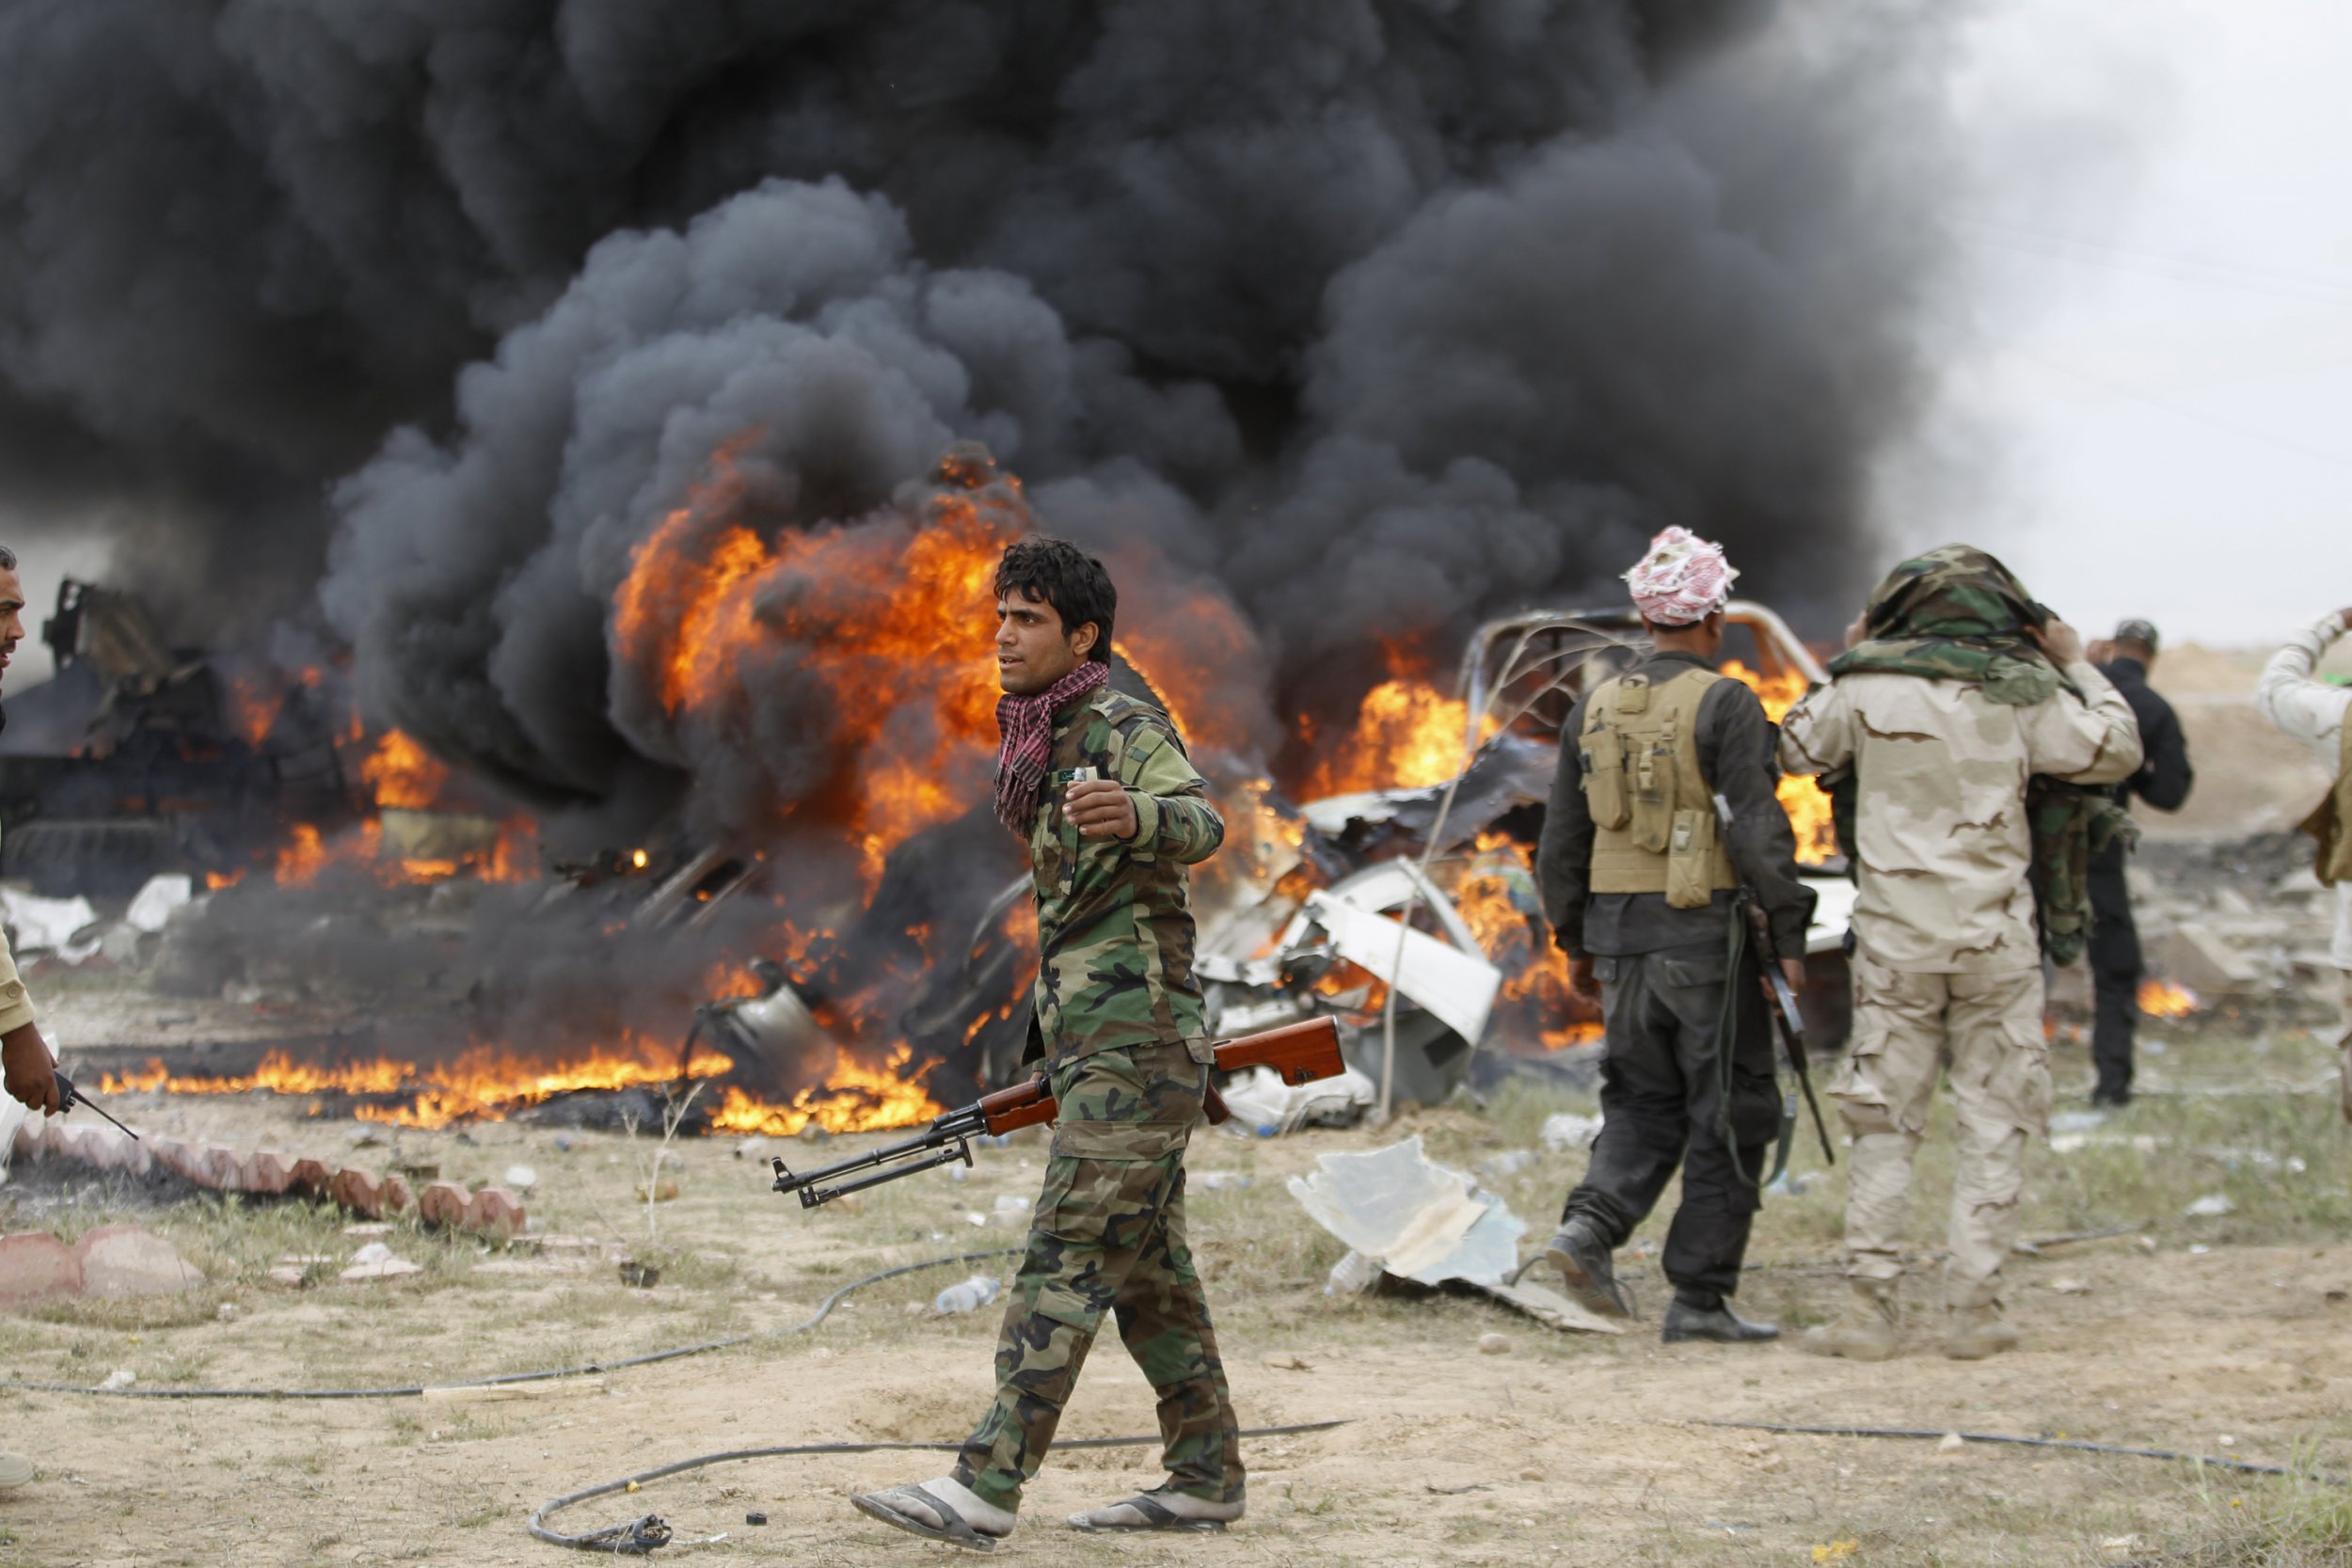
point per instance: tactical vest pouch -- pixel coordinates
(1654, 768)
(1603, 757)
(1691, 869)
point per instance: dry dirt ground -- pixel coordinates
(2225, 1335)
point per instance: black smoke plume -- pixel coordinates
(1380, 315)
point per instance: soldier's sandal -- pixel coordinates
(889, 1507)
(1142, 1513)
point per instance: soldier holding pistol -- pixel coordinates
(1639, 884)
(1098, 784)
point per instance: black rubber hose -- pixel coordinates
(419, 1390)
(640, 1535)
(2074, 1444)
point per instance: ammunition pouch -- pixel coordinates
(1653, 812)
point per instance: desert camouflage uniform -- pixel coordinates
(1947, 969)
(1124, 1030)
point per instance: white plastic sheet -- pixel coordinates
(1417, 1220)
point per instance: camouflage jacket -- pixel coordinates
(16, 1008)
(1943, 839)
(1114, 921)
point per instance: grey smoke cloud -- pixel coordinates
(1382, 315)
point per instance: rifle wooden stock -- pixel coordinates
(1300, 1052)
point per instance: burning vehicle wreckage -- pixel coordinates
(867, 960)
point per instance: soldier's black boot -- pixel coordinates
(1692, 1317)
(1578, 1252)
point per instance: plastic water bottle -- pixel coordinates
(970, 1296)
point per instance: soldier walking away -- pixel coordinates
(29, 1066)
(1098, 784)
(2162, 781)
(2312, 710)
(1639, 884)
(1958, 691)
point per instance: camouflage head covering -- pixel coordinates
(1956, 614)
(1957, 591)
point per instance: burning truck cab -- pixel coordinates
(140, 758)
(1320, 908)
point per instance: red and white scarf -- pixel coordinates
(1027, 726)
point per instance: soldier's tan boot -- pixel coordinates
(1977, 1332)
(1866, 1333)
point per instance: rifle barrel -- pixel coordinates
(813, 1196)
(953, 1127)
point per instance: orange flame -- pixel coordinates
(404, 776)
(1800, 796)
(893, 618)
(855, 1097)
(2163, 999)
(302, 857)
(1408, 736)
(257, 709)
(1494, 894)
(488, 1083)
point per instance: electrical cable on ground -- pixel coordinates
(419, 1390)
(640, 1535)
(2074, 1444)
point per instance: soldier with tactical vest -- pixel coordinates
(1640, 884)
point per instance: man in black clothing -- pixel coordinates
(1639, 884)
(2162, 781)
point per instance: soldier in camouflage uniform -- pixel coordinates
(30, 1066)
(1959, 691)
(1099, 784)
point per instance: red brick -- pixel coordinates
(359, 1191)
(264, 1170)
(495, 1212)
(310, 1176)
(397, 1197)
(27, 1139)
(37, 1264)
(442, 1203)
(132, 1260)
(173, 1155)
(221, 1166)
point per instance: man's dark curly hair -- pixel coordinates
(1063, 576)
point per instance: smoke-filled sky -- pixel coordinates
(2158, 262)
(1376, 316)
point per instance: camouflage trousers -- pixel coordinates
(1108, 1236)
(1907, 1029)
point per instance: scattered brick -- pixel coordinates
(37, 1264)
(495, 1212)
(442, 1203)
(397, 1197)
(359, 1191)
(131, 1260)
(266, 1171)
(216, 1167)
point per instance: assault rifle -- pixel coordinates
(1302, 1053)
(1780, 998)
